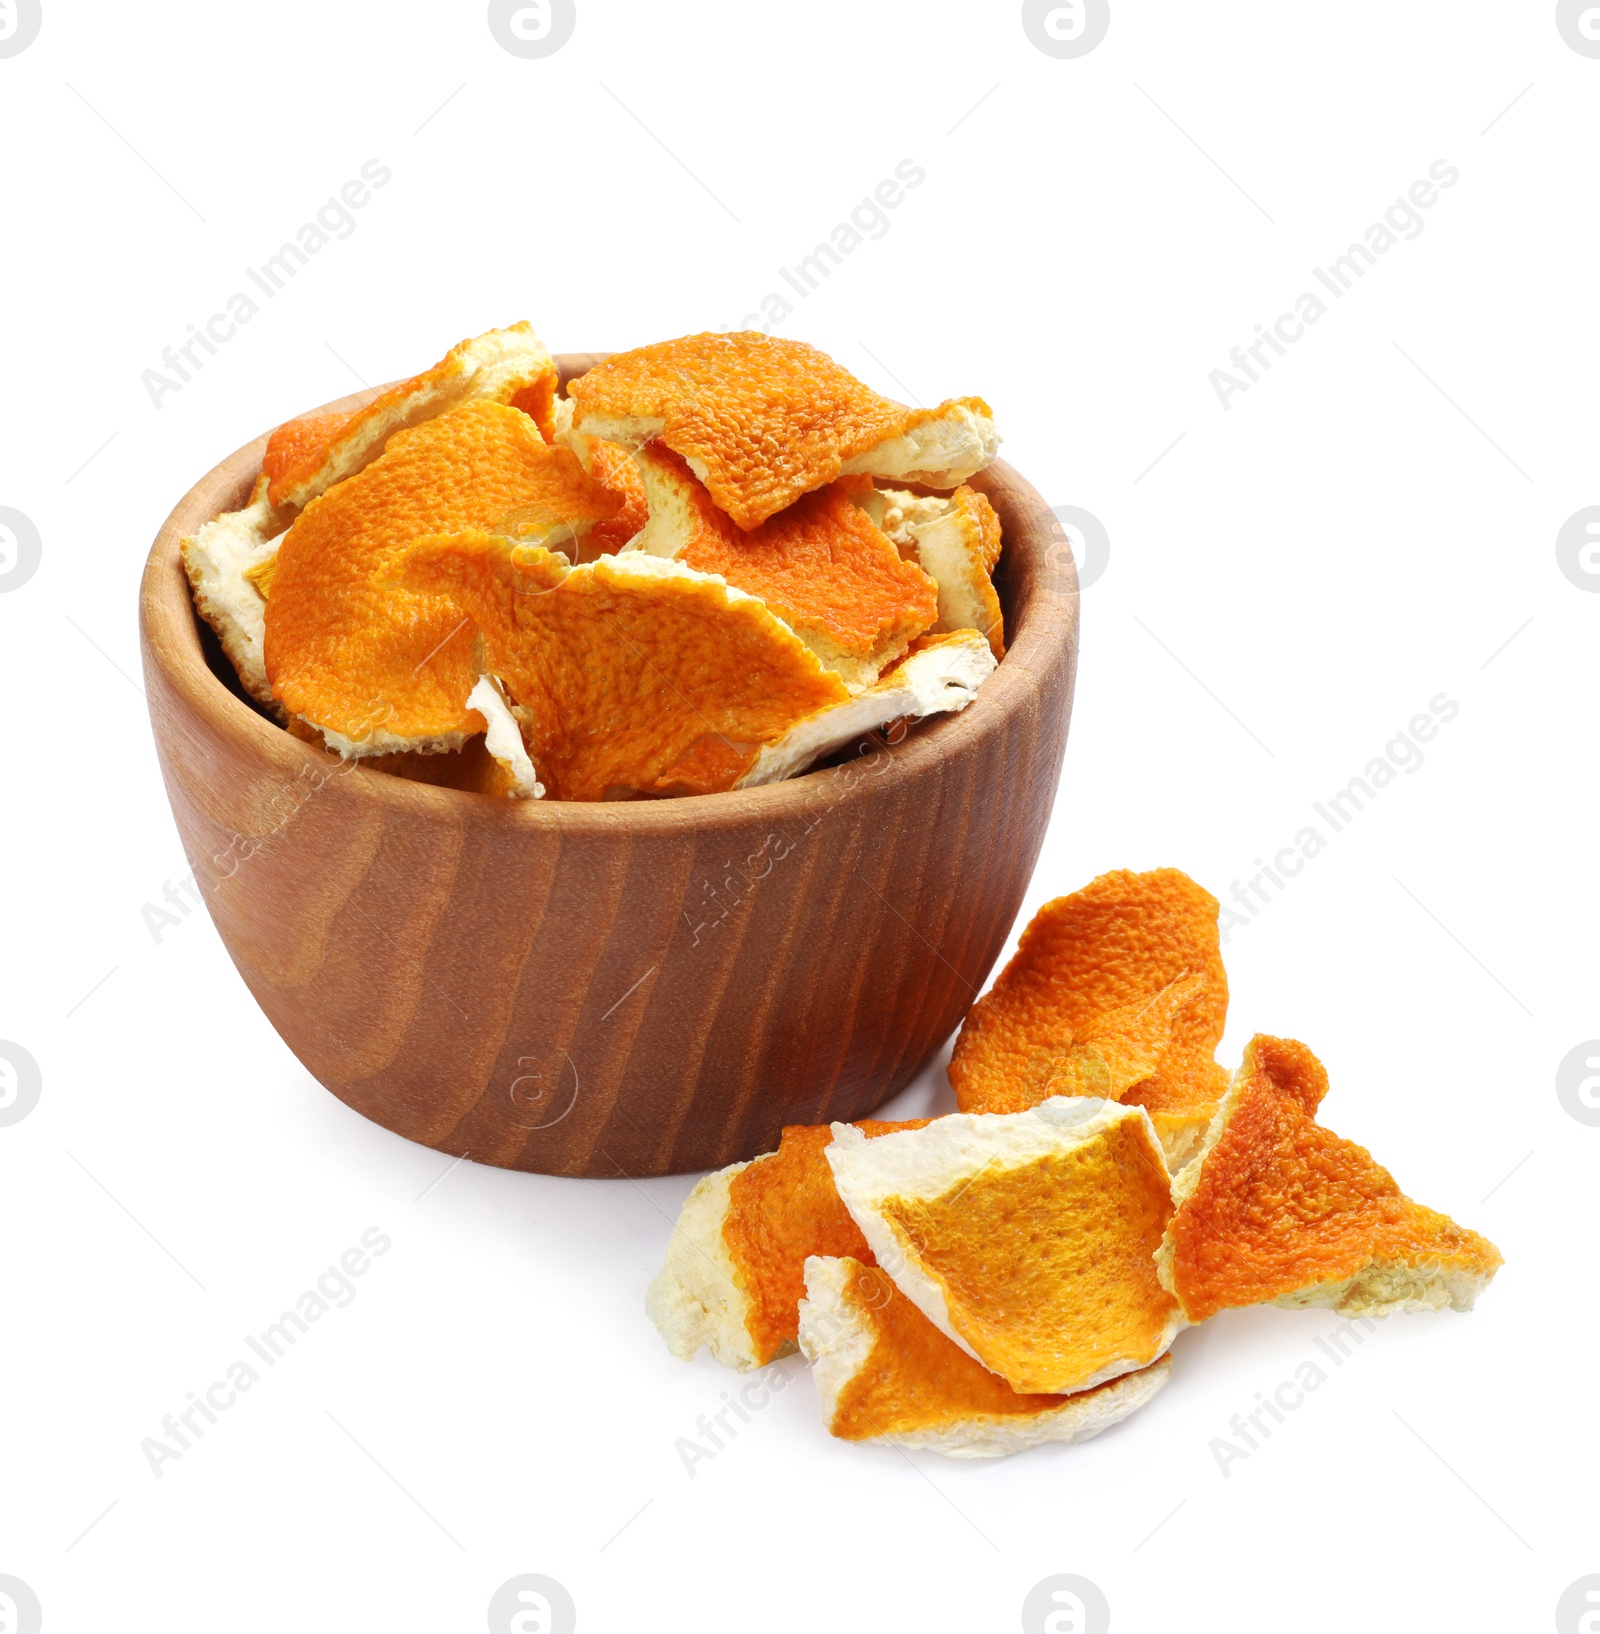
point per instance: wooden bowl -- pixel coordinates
(615, 989)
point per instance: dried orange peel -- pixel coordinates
(1127, 971)
(221, 559)
(378, 667)
(735, 1268)
(1276, 1209)
(885, 1373)
(940, 675)
(822, 565)
(229, 560)
(1027, 1238)
(305, 457)
(762, 420)
(956, 541)
(614, 467)
(629, 675)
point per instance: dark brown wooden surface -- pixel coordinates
(637, 988)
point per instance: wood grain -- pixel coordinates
(638, 988)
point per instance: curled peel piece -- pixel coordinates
(729, 403)
(940, 675)
(222, 560)
(630, 675)
(377, 667)
(1028, 1239)
(1276, 1209)
(735, 1269)
(1128, 970)
(885, 1373)
(503, 740)
(956, 541)
(822, 565)
(305, 457)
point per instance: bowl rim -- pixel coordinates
(169, 630)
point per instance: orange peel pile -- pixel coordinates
(371, 593)
(1015, 1273)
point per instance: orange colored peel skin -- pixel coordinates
(352, 652)
(821, 565)
(1131, 957)
(625, 686)
(781, 1209)
(1283, 1205)
(1048, 1294)
(614, 468)
(765, 419)
(914, 1378)
(297, 449)
(299, 446)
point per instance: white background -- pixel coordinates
(1290, 581)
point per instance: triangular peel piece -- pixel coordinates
(306, 457)
(1113, 956)
(1276, 1209)
(956, 541)
(503, 740)
(735, 1268)
(884, 1373)
(727, 402)
(630, 676)
(941, 675)
(822, 565)
(219, 560)
(1028, 1239)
